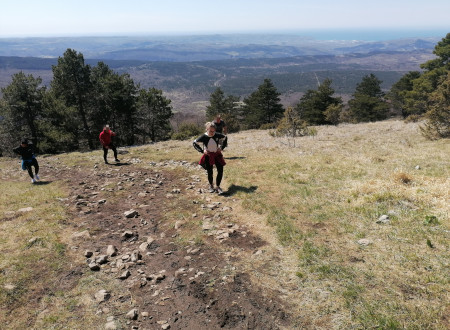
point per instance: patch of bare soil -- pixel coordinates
(170, 283)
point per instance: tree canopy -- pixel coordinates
(263, 106)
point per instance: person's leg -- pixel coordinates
(105, 154)
(29, 169)
(209, 170)
(219, 174)
(36, 168)
(114, 149)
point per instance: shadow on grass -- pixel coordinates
(42, 183)
(119, 164)
(231, 158)
(233, 189)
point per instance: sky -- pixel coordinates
(32, 18)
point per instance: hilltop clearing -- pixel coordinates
(345, 229)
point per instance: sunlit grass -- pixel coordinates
(312, 204)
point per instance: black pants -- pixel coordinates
(28, 166)
(105, 151)
(209, 169)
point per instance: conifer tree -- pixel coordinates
(154, 112)
(22, 106)
(314, 103)
(263, 106)
(71, 82)
(368, 103)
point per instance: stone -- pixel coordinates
(127, 234)
(131, 213)
(25, 209)
(125, 275)
(144, 247)
(88, 253)
(383, 219)
(178, 224)
(110, 326)
(132, 315)
(364, 242)
(180, 272)
(101, 259)
(94, 266)
(111, 251)
(81, 234)
(135, 256)
(102, 296)
(207, 226)
(9, 287)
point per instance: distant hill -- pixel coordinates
(200, 48)
(188, 69)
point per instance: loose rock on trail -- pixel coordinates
(123, 229)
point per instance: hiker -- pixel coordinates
(213, 144)
(221, 127)
(106, 141)
(26, 151)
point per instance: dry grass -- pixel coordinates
(313, 203)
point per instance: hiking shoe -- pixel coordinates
(211, 189)
(37, 177)
(33, 180)
(219, 190)
(117, 160)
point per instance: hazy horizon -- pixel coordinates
(318, 34)
(360, 19)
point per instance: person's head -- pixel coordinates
(24, 143)
(106, 128)
(218, 118)
(210, 128)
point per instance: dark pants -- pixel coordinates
(27, 165)
(209, 169)
(105, 151)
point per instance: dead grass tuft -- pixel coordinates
(403, 178)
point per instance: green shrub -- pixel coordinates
(187, 131)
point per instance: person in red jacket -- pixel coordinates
(106, 141)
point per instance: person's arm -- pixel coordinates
(17, 150)
(101, 139)
(224, 140)
(195, 144)
(225, 130)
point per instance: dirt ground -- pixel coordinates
(169, 281)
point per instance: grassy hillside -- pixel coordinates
(310, 210)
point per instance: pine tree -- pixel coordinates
(368, 103)
(314, 103)
(437, 123)
(22, 106)
(154, 113)
(71, 82)
(263, 106)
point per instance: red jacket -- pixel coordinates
(105, 137)
(213, 158)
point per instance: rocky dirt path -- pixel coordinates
(130, 222)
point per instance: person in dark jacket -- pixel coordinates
(26, 151)
(106, 141)
(213, 144)
(221, 127)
